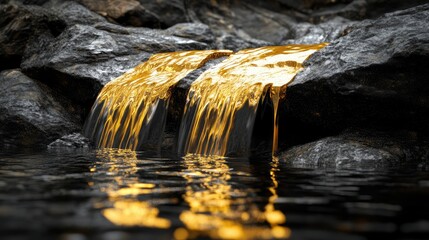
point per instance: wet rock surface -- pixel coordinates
(307, 33)
(169, 12)
(354, 157)
(20, 23)
(371, 76)
(81, 60)
(30, 115)
(125, 12)
(375, 76)
(71, 141)
(358, 150)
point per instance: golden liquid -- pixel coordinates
(125, 208)
(221, 211)
(129, 103)
(219, 94)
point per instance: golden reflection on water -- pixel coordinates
(221, 211)
(124, 110)
(127, 210)
(240, 81)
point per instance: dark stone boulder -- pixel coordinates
(236, 43)
(18, 24)
(27, 2)
(81, 60)
(375, 76)
(241, 19)
(169, 12)
(195, 31)
(350, 9)
(30, 113)
(74, 140)
(74, 13)
(308, 33)
(358, 150)
(125, 12)
(376, 8)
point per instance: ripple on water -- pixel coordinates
(116, 194)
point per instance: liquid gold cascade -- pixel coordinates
(222, 103)
(132, 108)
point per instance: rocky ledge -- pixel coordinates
(55, 56)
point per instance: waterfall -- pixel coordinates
(130, 111)
(221, 106)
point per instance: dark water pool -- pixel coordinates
(115, 194)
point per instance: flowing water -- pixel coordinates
(222, 103)
(121, 194)
(130, 111)
(219, 116)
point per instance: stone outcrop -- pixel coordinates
(125, 12)
(375, 76)
(357, 150)
(371, 76)
(83, 58)
(169, 12)
(30, 113)
(70, 141)
(20, 23)
(307, 33)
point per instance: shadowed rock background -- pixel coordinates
(55, 56)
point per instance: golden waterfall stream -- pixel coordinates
(222, 103)
(218, 119)
(131, 110)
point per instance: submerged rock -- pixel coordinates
(357, 150)
(18, 24)
(375, 76)
(74, 140)
(30, 115)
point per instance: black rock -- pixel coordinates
(350, 9)
(376, 8)
(81, 60)
(241, 19)
(74, 140)
(236, 43)
(169, 12)
(358, 150)
(74, 13)
(30, 115)
(195, 31)
(18, 24)
(308, 33)
(375, 76)
(125, 12)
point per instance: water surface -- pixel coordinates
(118, 194)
